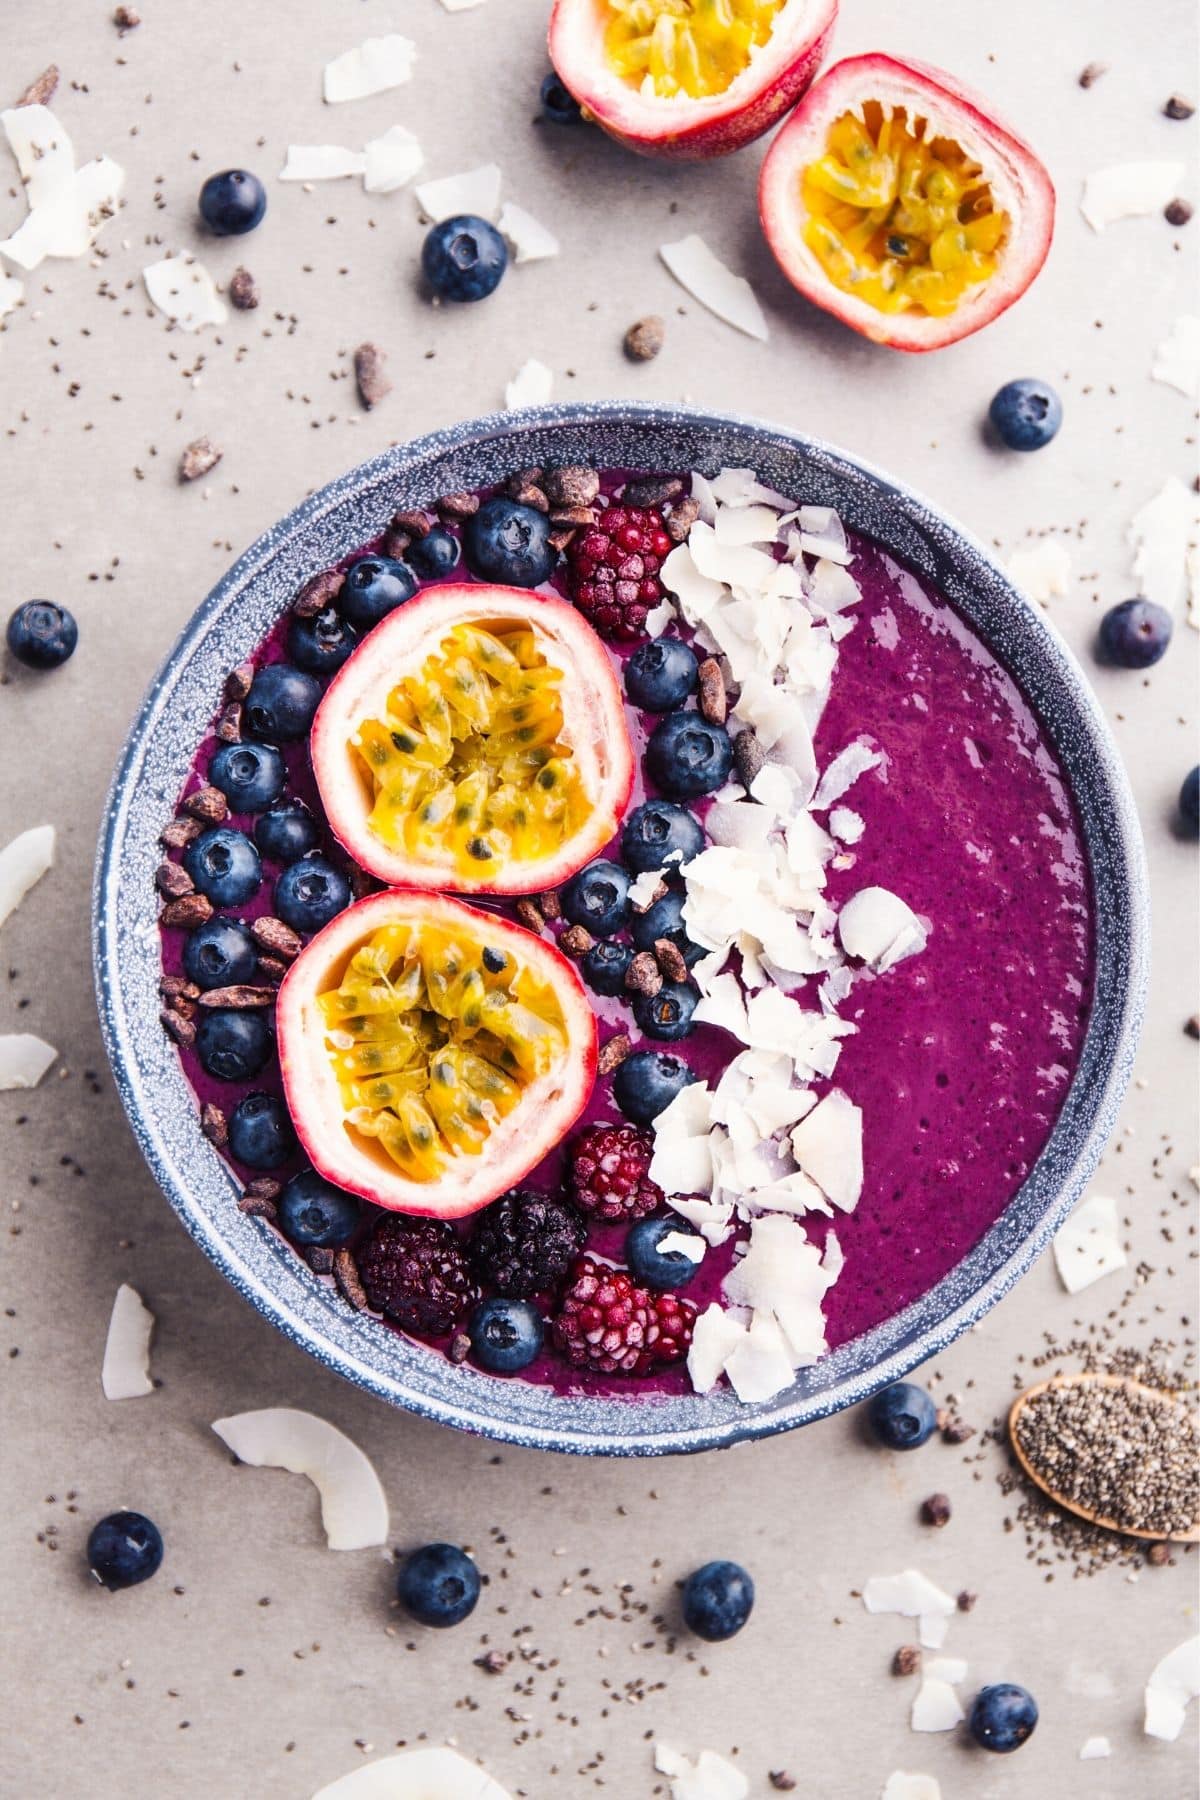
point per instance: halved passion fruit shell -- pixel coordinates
(895, 200)
(688, 78)
(476, 742)
(432, 1053)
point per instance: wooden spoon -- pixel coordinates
(1189, 1536)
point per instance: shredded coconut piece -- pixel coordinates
(1158, 536)
(391, 161)
(1174, 1683)
(1177, 358)
(1129, 191)
(373, 67)
(901, 1786)
(532, 385)
(125, 1374)
(183, 289)
(529, 240)
(475, 191)
(426, 1774)
(708, 280)
(710, 1777)
(354, 1511)
(1094, 1749)
(1089, 1245)
(936, 1706)
(1043, 571)
(322, 162)
(23, 862)
(914, 1596)
(24, 1059)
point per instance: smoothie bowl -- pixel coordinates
(619, 929)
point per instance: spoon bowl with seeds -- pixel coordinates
(1120, 1454)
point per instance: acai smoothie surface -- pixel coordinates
(950, 1019)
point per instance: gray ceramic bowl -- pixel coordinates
(182, 700)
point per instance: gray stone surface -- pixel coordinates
(582, 1557)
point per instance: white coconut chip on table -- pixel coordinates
(1129, 191)
(527, 237)
(23, 862)
(913, 1596)
(322, 162)
(67, 206)
(730, 297)
(1094, 1749)
(1043, 571)
(24, 1059)
(125, 1372)
(457, 6)
(1159, 535)
(476, 191)
(370, 68)
(430, 1773)
(354, 1509)
(183, 290)
(901, 1785)
(43, 149)
(710, 1777)
(936, 1706)
(1177, 358)
(1089, 1246)
(1173, 1684)
(532, 385)
(392, 160)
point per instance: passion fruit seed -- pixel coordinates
(692, 47)
(469, 757)
(432, 1044)
(901, 219)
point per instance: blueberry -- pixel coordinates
(1189, 802)
(667, 1015)
(1134, 634)
(233, 1045)
(687, 756)
(646, 1083)
(123, 1549)
(251, 776)
(42, 635)
(717, 1600)
(902, 1416)
(219, 953)
(506, 1335)
(1026, 414)
(224, 865)
(260, 1132)
(661, 674)
(598, 897)
(287, 832)
(311, 892)
(314, 1212)
(656, 830)
(665, 920)
(1002, 1717)
(559, 107)
(604, 965)
(373, 588)
(438, 1585)
(655, 1268)
(435, 554)
(463, 258)
(322, 643)
(281, 704)
(233, 202)
(507, 542)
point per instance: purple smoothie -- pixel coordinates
(964, 1053)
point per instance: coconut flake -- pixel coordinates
(1158, 536)
(183, 289)
(391, 161)
(68, 221)
(1173, 1684)
(710, 1777)
(880, 928)
(659, 617)
(44, 153)
(828, 1146)
(476, 191)
(23, 862)
(1089, 1245)
(527, 238)
(716, 287)
(24, 1059)
(1042, 572)
(841, 774)
(682, 1243)
(902, 1786)
(846, 825)
(715, 1336)
(125, 1374)
(741, 487)
(425, 1774)
(322, 162)
(457, 6)
(354, 1510)
(936, 1706)
(532, 385)
(12, 292)
(1177, 359)
(1094, 1749)
(914, 1596)
(376, 65)
(1129, 191)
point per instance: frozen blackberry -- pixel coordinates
(525, 1243)
(414, 1271)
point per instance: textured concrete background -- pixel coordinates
(193, 1685)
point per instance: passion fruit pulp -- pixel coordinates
(670, 47)
(476, 742)
(431, 1053)
(893, 199)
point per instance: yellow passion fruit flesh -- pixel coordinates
(692, 47)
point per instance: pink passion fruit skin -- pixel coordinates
(545, 1114)
(685, 129)
(1018, 179)
(595, 722)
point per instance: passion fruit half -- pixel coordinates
(894, 199)
(432, 1054)
(688, 78)
(475, 742)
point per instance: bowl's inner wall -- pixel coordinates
(230, 625)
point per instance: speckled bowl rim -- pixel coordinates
(186, 692)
